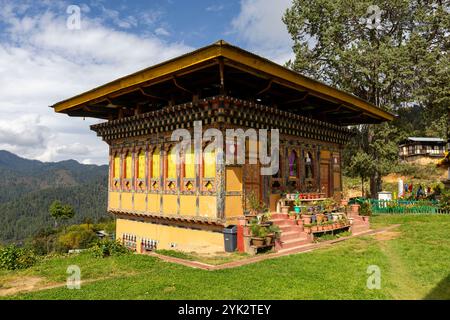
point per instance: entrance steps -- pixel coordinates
(292, 235)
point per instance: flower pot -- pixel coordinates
(258, 242)
(285, 209)
(292, 216)
(307, 229)
(269, 239)
(306, 218)
(320, 218)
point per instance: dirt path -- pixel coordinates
(29, 284)
(23, 284)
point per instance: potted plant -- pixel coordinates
(320, 217)
(297, 204)
(259, 235)
(365, 209)
(273, 232)
(253, 203)
(307, 228)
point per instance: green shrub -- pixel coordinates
(76, 237)
(106, 247)
(44, 242)
(365, 209)
(12, 258)
(444, 202)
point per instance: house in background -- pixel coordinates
(422, 150)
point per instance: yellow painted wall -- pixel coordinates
(234, 178)
(127, 203)
(188, 205)
(233, 206)
(139, 202)
(169, 204)
(208, 206)
(114, 200)
(185, 239)
(154, 203)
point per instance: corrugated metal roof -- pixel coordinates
(425, 139)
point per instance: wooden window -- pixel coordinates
(155, 169)
(172, 164)
(116, 167)
(128, 165)
(309, 172)
(293, 164)
(209, 164)
(189, 164)
(141, 165)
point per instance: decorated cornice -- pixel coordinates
(224, 110)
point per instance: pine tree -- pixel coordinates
(393, 53)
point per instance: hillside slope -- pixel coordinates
(28, 187)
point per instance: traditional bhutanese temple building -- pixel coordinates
(187, 205)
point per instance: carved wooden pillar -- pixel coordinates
(220, 185)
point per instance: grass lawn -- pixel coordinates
(414, 260)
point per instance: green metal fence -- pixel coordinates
(406, 206)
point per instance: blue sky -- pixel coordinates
(46, 62)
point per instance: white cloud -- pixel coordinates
(162, 32)
(215, 8)
(44, 62)
(23, 132)
(260, 27)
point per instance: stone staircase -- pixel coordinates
(292, 235)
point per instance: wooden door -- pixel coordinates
(252, 180)
(325, 179)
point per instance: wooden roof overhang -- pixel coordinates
(221, 68)
(184, 221)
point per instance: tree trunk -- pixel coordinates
(362, 186)
(375, 184)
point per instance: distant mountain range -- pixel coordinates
(28, 187)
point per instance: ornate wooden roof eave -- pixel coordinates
(231, 55)
(237, 113)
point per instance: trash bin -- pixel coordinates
(230, 238)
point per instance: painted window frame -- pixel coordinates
(115, 180)
(208, 180)
(127, 181)
(140, 181)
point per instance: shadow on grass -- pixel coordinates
(441, 291)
